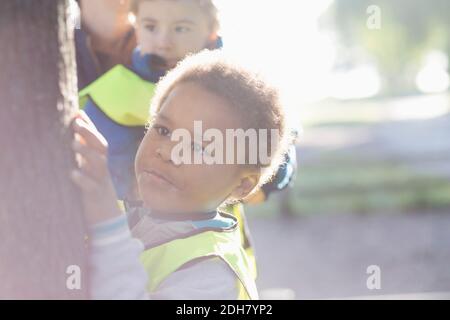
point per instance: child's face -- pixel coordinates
(187, 188)
(172, 29)
(105, 19)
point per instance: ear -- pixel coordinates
(246, 185)
(212, 40)
(213, 36)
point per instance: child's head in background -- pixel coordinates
(207, 88)
(172, 29)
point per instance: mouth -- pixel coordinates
(160, 62)
(172, 63)
(159, 178)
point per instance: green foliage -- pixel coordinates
(409, 28)
(342, 185)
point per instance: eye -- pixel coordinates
(162, 131)
(197, 147)
(182, 29)
(150, 27)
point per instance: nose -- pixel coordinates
(164, 42)
(164, 152)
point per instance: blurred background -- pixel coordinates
(368, 83)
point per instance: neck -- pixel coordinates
(183, 216)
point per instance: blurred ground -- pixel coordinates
(326, 256)
(370, 191)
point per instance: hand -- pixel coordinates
(92, 175)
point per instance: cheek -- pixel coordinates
(145, 39)
(191, 44)
(138, 160)
(210, 181)
(144, 150)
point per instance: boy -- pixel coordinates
(192, 250)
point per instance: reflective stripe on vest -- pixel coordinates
(122, 95)
(161, 261)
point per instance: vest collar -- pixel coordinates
(195, 216)
(153, 232)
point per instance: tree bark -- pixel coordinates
(41, 223)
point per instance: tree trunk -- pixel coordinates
(41, 226)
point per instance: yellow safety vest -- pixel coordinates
(237, 210)
(166, 258)
(122, 95)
